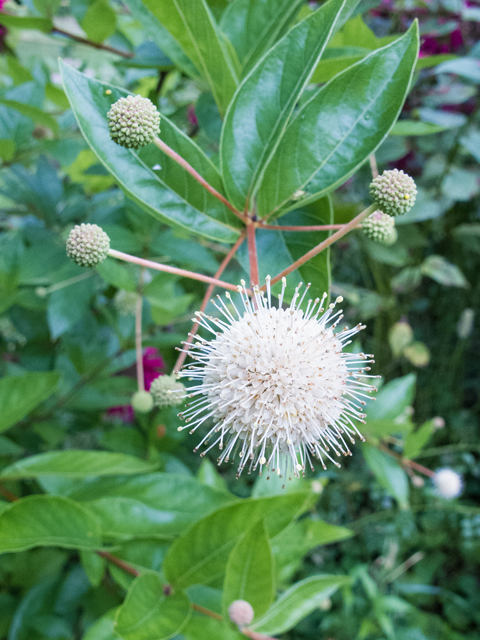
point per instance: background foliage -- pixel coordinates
(375, 555)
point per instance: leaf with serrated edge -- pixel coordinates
(161, 193)
(340, 126)
(297, 602)
(250, 572)
(263, 103)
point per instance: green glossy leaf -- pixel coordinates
(416, 440)
(388, 472)
(158, 504)
(21, 394)
(415, 128)
(253, 26)
(34, 113)
(100, 21)
(26, 22)
(193, 27)
(103, 628)
(343, 123)
(77, 464)
(250, 572)
(169, 193)
(297, 602)
(149, 614)
(162, 37)
(47, 521)
(290, 547)
(201, 627)
(265, 100)
(200, 555)
(392, 399)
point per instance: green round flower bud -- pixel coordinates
(125, 302)
(391, 238)
(394, 192)
(88, 245)
(142, 401)
(133, 122)
(378, 226)
(167, 391)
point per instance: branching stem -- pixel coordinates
(149, 264)
(208, 295)
(188, 167)
(138, 334)
(321, 227)
(90, 43)
(252, 254)
(323, 245)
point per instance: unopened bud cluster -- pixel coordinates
(88, 245)
(133, 122)
(125, 302)
(167, 391)
(142, 402)
(394, 192)
(380, 227)
(241, 613)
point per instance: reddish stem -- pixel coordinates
(322, 227)
(138, 335)
(90, 43)
(252, 254)
(207, 612)
(208, 294)
(11, 497)
(323, 245)
(167, 269)
(188, 167)
(119, 563)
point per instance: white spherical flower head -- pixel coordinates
(276, 382)
(448, 483)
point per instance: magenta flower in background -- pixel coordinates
(152, 365)
(192, 117)
(152, 368)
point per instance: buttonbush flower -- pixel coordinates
(394, 192)
(276, 382)
(379, 227)
(448, 483)
(133, 122)
(88, 245)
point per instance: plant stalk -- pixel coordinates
(149, 264)
(323, 245)
(208, 295)
(252, 254)
(188, 167)
(90, 43)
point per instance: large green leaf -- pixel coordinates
(162, 38)
(193, 26)
(77, 464)
(47, 521)
(392, 399)
(341, 125)
(297, 602)
(34, 113)
(250, 572)
(158, 504)
(21, 394)
(253, 26)
(200, 555)
(150, 611)
(169, 194)
(388, 472)
(265, 100)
